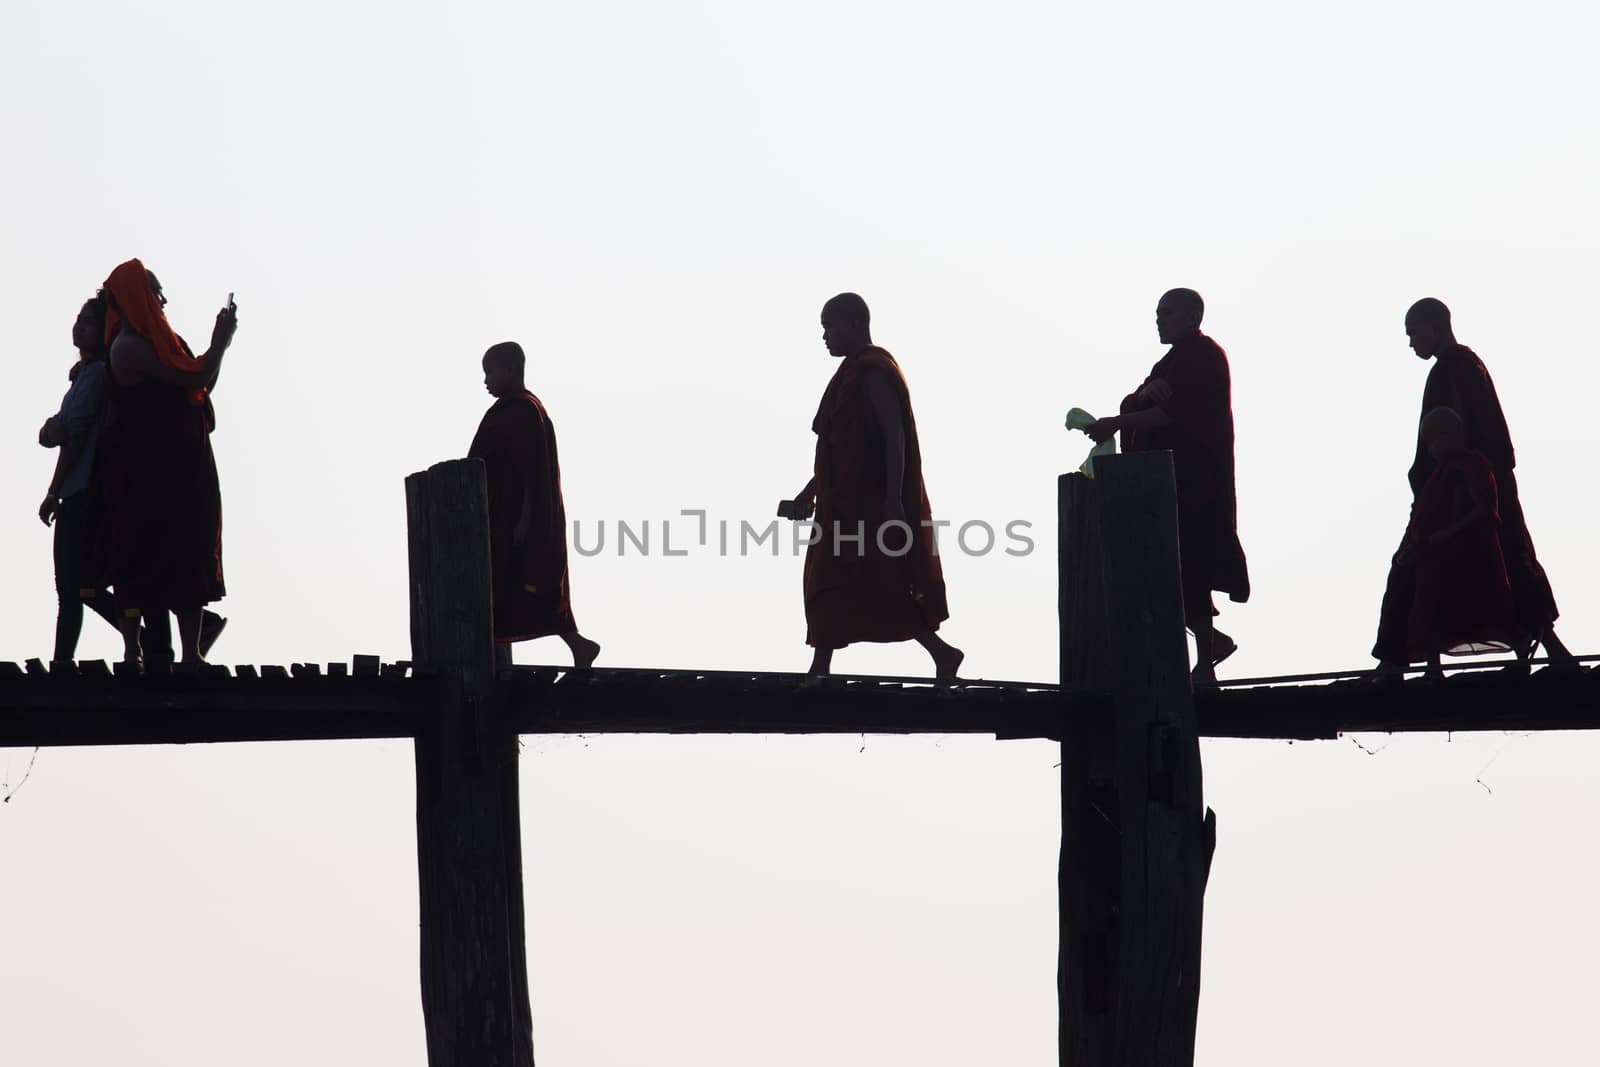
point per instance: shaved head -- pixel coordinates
(850, 308)
(1178, 315)
(1428, 328)
(1185, 301)
(506, 354)
(1430, 312)
(1442, 424)
(1442, 432)
(846, 325)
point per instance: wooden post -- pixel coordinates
(469, 850)
(1136, 836)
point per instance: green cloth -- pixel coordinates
(1078, 419)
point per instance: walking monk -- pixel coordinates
(1186, 405)
(872, 573)
(1462, 605)
(527, 520)
(1460, 381)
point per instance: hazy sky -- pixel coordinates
(655, 200)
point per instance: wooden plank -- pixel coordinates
(469, 849)
(188, 709)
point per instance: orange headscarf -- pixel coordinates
(133, 302)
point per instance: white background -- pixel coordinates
(655, 200)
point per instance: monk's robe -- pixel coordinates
(1200, 437)
(1462, 598)
(1459, 380)
(861, 590)
(161, 498)
(532, 596)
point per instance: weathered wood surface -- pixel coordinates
(269, 704)
(1123, 630)
(1090, 871)
(469, 847)
(97, 709)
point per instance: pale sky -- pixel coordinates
(656, 200)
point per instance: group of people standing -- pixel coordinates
(134, 495)
(138, 512)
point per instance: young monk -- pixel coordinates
(1460, 381)
(873, 572)
(527, 520)
(158, 475)
(1462, 603)
(1186, 405)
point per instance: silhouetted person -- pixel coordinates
(873, 572)
(158, 475)
(527, 520)
(75, 430)
(1462, 604)
(1186, 405)
(1460, 381)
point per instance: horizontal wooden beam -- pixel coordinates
(1464, 703)
(548, 701)
(269, 705)
(295, 704)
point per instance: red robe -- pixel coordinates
(1462, 596)
(864, 591)
(532, 596)
(1200, 437)
(1459, 380)
(160, 499)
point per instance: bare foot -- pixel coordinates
(1222, 646)
(946, 663)
(584, 652)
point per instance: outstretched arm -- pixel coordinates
(1146, 419)
(139, 361)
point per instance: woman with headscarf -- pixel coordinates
(159, 477)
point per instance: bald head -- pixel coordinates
(1443, 430)
(503, 366)
(846, 325)
(1179, 313)
(506, 354)
(1428, 328)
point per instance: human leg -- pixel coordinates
(68, 548)
(946, 657)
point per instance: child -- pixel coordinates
(1462, 604)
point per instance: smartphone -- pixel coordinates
(230, 300)
(789, 509)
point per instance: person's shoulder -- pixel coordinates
(128, 344)
(876, 362)
(1463, 358)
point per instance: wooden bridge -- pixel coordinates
(1137, 839)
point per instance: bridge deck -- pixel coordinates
(88, 705)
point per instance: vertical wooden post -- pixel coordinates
(1131, 791)
(469, 852)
